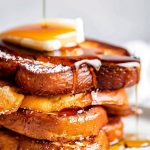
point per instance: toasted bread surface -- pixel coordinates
(12, 141)
(49, 76)
(62, 126)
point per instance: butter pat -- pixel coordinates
(47, 36)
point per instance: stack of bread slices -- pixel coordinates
(64, 95)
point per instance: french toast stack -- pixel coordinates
(69, 98)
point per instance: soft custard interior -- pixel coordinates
(47, 36)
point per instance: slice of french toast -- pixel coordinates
(66, 125)
(56, 75)
(12, 141)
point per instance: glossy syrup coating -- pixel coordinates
(67, 125)
(19, 142)
(56, 75)
(46, 36)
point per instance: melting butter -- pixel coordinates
(47, 36)
(96, 63)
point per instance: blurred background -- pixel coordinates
(110, 20)
(123, 22)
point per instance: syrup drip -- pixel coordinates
(95, 63)
(137, 115)
(44, 10)
(75, 79)
(48, 35)
(44, 18)
(133, 140)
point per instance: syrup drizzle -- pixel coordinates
(137, 115)
(133, 140)
(136, 140)
(75, 79)
(95, 63)
(44, 10)
(127, 144)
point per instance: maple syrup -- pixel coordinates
(44, 10)
(38, 32)
(46, 36)
(133, 140)
(137, 115)
(130, 141)
(53, 30)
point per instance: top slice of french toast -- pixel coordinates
(88, 66)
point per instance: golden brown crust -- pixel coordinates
(121, 111)
(8, 140)
(111, 132)
(46, 105)
(109, 77)
(65, 126)
(104, 48)
(88, 47)
(114, 130)
(47, 76)
(12, 100)
(12, 141)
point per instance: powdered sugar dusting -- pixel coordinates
(41, 67)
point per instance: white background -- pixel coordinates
(111, 20)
